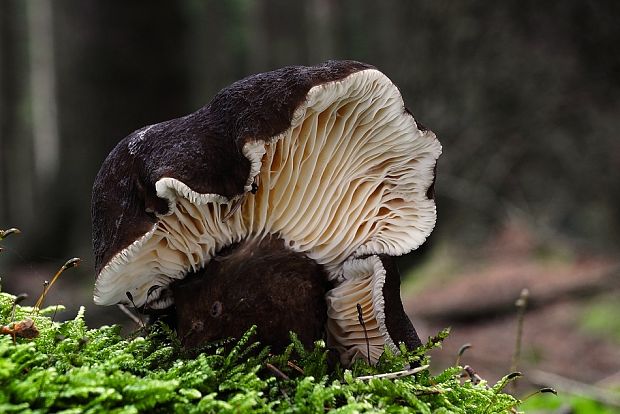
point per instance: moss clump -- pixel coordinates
(69, 368)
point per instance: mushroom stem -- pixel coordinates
(254, 282)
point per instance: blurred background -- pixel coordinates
(524, 96)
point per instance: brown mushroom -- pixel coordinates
(324, 158)
(255, 282)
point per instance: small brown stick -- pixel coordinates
(521, 305)
(462, 350)
(46, 284)
(393, 375)
(68, 264)
(545, 390)
(295, 367)
(55, 312)
(130, 297)
(18, 299)
(276, 371)
(360, 317)
(236, 204)
(280, 375)
(128, 313)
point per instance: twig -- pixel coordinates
(55, 311)
(280, 375)
(18, 299)
(360, 317)
(41, 299)
(397, 374)
(46, 287)
(276, 371)
(141, 322)
(521, 305)
(462, 350)
(236, 204)
(545, 390)
(130, 314)
(295, 367)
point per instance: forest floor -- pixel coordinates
(571, 327)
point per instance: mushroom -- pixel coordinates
(255, 282)
(324, 159)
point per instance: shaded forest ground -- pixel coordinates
(571, 327)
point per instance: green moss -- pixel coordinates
(70, 368)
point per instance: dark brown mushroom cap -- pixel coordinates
(337, 169)
(203, 150)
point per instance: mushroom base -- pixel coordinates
(255, 282)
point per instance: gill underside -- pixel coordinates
(343, 182)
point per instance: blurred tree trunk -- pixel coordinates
(319, 34)
(117, 71)
(217, 49)
(257, 39)
(284, 32)
(4, 105)
(16, 179)
(43, 91)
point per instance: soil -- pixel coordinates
(479, 305)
